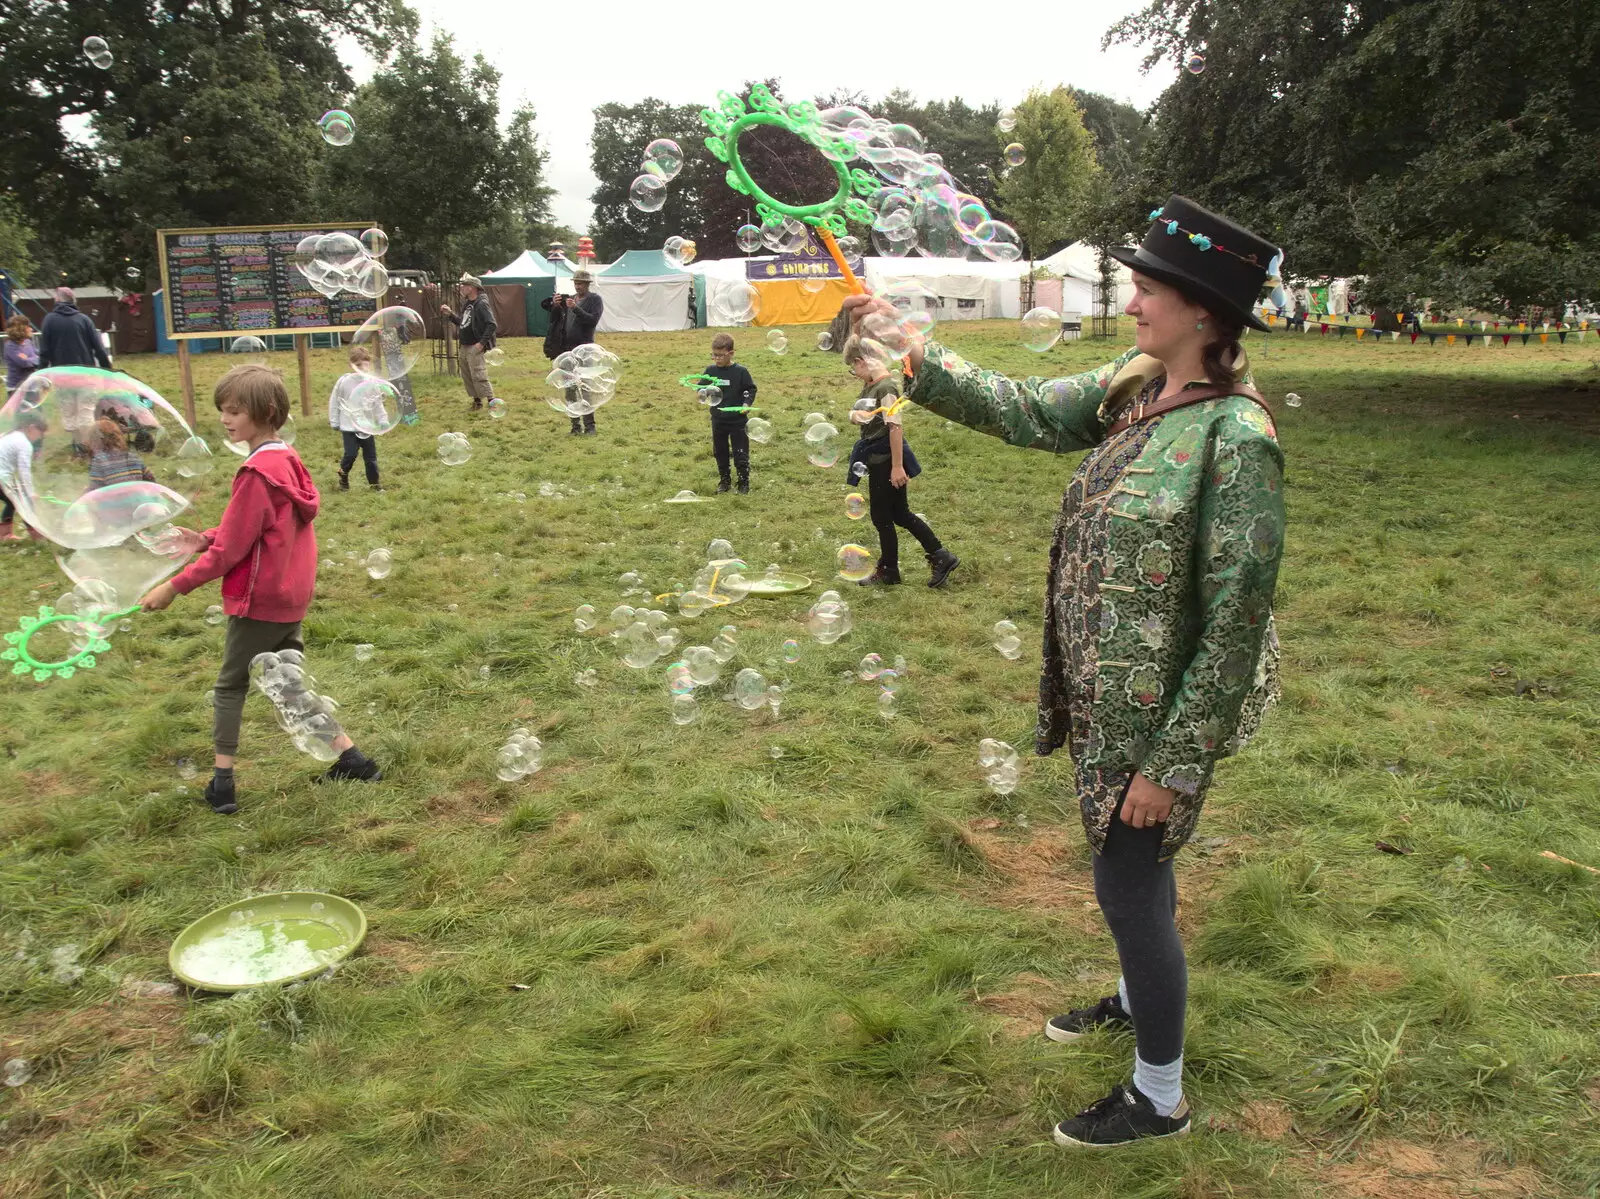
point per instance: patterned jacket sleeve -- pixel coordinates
(1059, 415)
(1238, 545)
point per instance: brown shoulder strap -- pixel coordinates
(1136, 412)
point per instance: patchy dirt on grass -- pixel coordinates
(1026, 1004)
(1041, 873)
(1395, 1169)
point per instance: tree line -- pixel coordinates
(1447, 149)
(208, 116)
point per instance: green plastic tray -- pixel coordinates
(783, 584)
(276, 938)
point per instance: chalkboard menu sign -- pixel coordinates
(241, 280)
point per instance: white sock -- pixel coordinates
(1161, 1085)
(1122, 995)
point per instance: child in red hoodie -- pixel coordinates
(265, 553)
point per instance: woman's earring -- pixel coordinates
(1199, 324)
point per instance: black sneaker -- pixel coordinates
(577, 429)
(344, 481)
(222, 797)
(744, 487)
(1080, 1020)
(477, 406)
(352, 764)
(1122, 1117)
(941, 562)
(724, 487)
(882, 577)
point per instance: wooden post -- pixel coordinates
(302, 351)
(186, 377)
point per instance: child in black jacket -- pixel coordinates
(728, 418)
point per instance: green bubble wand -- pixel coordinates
(24, 662)
(699, 381)
(732, 118)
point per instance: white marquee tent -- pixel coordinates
(644, 293)
(1078, 265)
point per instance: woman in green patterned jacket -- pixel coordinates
(1159, 654)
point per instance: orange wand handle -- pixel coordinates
(832, 247)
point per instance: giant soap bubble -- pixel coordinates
(85, 426)
(373, 407)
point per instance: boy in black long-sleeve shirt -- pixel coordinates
(728, 436)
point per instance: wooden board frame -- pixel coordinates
(308, 226)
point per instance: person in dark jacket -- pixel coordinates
(578, 316)
(68, 337)
(730, 443)
(476, 337)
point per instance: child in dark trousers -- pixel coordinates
(265, 553)
(889, 466)
(728, 436)
(341, 416)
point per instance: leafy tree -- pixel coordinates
(431, 165)
(1046, 196)
(1119, 131)
(1443, 148)
(254, 64)
(16, 235)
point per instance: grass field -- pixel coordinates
(673, 965)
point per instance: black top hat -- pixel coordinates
(1205, 256)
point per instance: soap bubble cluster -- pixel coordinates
(855, 562)
(379, 563)
(520, 756)
(759, 430)
(98, 52)
(1006, 641)
(1001, 766)
(338, 127)
(679, 251)
(823, 446)
(828, 619)
(337, 262)
(738, 303)
(585, 377)
(453, 448)
(584, 618)
(1293, 400)
(307, 717)
(777, 341)
(1041, 329)
(658, 166)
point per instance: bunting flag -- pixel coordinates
(1484, 338)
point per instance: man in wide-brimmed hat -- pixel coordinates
(578, 316)
(475, 339)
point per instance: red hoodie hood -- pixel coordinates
(281, 467)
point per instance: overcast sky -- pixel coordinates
(625, 52)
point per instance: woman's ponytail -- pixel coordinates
(1223, 351)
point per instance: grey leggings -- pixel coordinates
(1138, 896)
(246, 639)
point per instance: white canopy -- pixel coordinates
(644, 293)
(967, 290)
(1081, 262)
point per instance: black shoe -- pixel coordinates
(589, 430)
(477, 406)
(744, 487)
(724, 486)
(1122, 1117)
(376, 486)
(221, 796)
(1080, 1020)
(577, 429)
(344, 480)
(352, 764)
(882, 577)
(941, 562)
